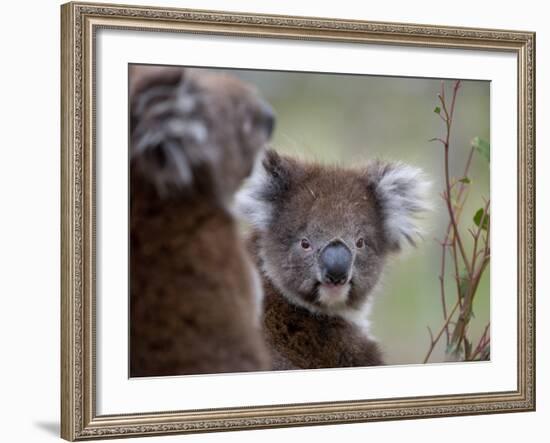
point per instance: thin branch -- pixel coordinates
(449, 122)
(478, 233)
(445, 244)
(431, 334)
(440, 333)
(457, 273)
(463, 318)
(483, 342)
(467, 282)
(442, 290)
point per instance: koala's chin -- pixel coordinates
(334, 296)
(321, 236)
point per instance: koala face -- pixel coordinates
(325, 248)
(324, 232)
(194, 132)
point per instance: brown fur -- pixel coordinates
(300, 339)
(193, 303)
(308, 323)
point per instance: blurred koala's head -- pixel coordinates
(195, 132)
(324, 231)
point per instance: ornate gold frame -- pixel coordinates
(79, 21)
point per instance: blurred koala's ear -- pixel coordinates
(401, 193)
(165, 141)
(143, 77)
(272, 177)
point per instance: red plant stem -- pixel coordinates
(483, 341)
(460, 327)
(457, 273)
(440, 333)
(478, 233)
(445, 244)
(442, 289)
(449, 122)
(466, 170)
(474, 273)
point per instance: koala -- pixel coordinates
(321, 236)
(195, 294)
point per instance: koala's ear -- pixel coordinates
(166, 143)
(271, 179)
(401, 193)
(143, 77)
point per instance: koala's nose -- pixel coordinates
(335, 263)
(267, 118)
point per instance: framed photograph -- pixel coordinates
(277, 221)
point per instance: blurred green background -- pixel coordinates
(350, 119)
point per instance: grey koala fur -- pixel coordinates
(195, 294)
(302, 216)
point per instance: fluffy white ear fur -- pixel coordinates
(402, 193)
(250, 200)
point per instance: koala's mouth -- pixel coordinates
(312, 295)
(331, 295)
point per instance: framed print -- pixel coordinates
(282, 221)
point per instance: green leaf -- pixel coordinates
(437, 110)
(483, 147)
(465, 180)
(480, 217)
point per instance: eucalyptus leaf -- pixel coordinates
(483, 147)
(480, 217)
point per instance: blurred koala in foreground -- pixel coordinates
(321, 236)
(195, 295)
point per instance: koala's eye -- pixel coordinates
(304, 243)
(360, 242)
